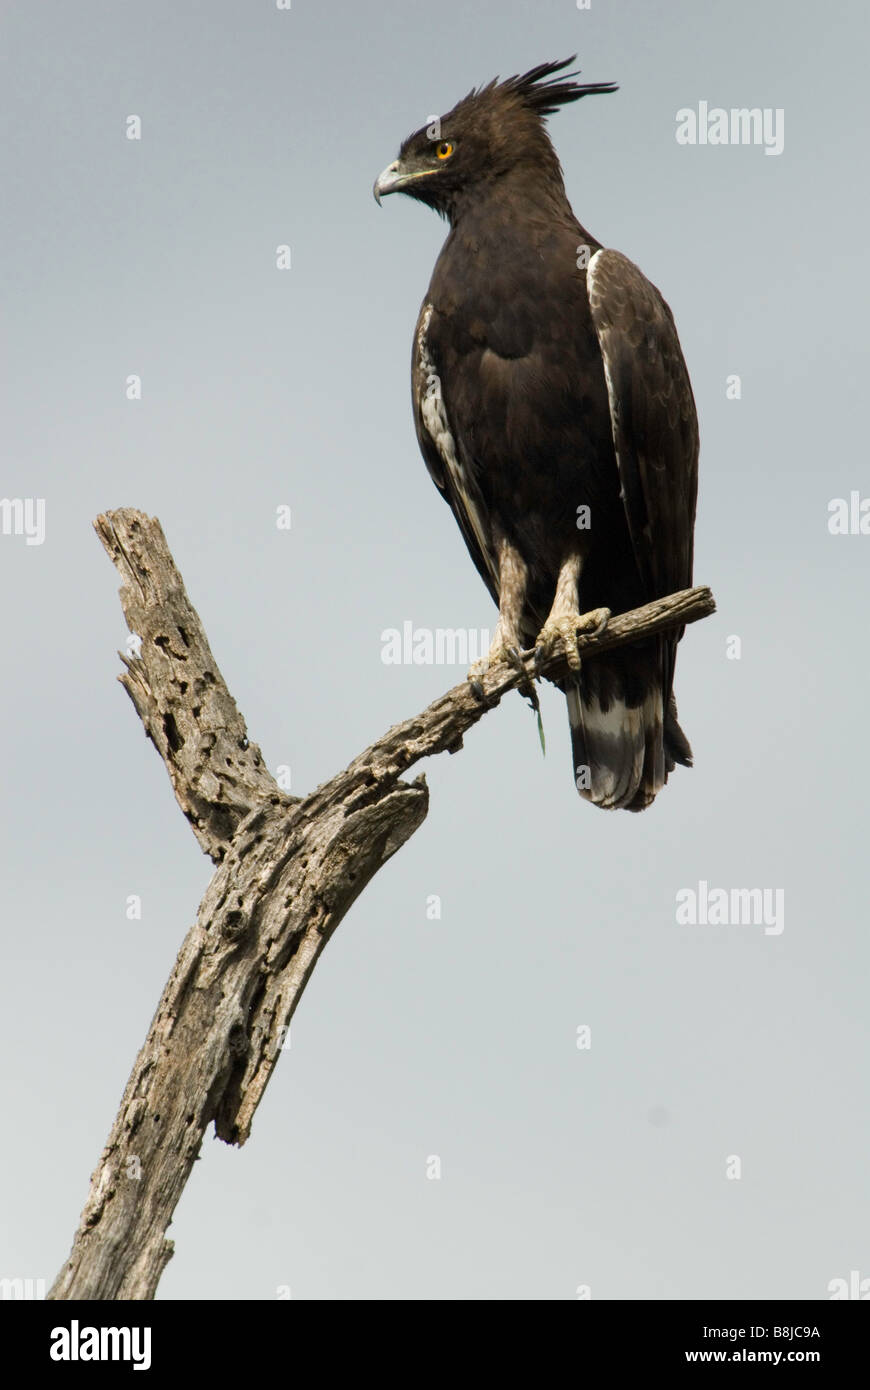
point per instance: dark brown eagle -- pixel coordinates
(555, 414)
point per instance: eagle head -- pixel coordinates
(489, 133)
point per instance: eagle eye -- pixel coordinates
(444, 150)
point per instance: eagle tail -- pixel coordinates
(622, 753)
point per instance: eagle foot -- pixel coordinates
(563, 629)
(507, 652)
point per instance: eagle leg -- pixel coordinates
(565, 620)
(506, 644)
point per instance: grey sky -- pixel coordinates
(560, 1167)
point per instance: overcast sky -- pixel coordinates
(609, 1167)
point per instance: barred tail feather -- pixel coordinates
(623, 753)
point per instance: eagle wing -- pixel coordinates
(444, 456)
(652, 411)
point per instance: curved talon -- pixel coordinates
(514, 658)
(565, 629)
(526, 686)
(603, 615)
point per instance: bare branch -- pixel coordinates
(179, 693)
(442, 725)
(287, 871)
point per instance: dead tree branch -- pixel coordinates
(287, 871)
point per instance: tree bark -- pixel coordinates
(288, 869)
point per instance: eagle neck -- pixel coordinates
(513, 198)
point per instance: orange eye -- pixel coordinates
(444, 150)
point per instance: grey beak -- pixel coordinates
(387, 181)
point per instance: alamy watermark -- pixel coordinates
(735, 907)
(853, 1287)
(741, 125)
(23, 516)
(22, 1289)
(77, 1343)
(440, 646)
(849, 516)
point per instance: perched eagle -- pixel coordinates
(555, 414)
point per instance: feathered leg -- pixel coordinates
(565, 620)
(506, 645)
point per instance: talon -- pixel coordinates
(526, 686)
(564, 628)
(559, 631)
(500, 650)
(596, 620)
(515, 658)
(512, 654)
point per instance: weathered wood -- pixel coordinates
(287, 871)
(177, 689)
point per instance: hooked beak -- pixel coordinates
(387, 181)
(394, 177)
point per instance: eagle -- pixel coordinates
(554, 412)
